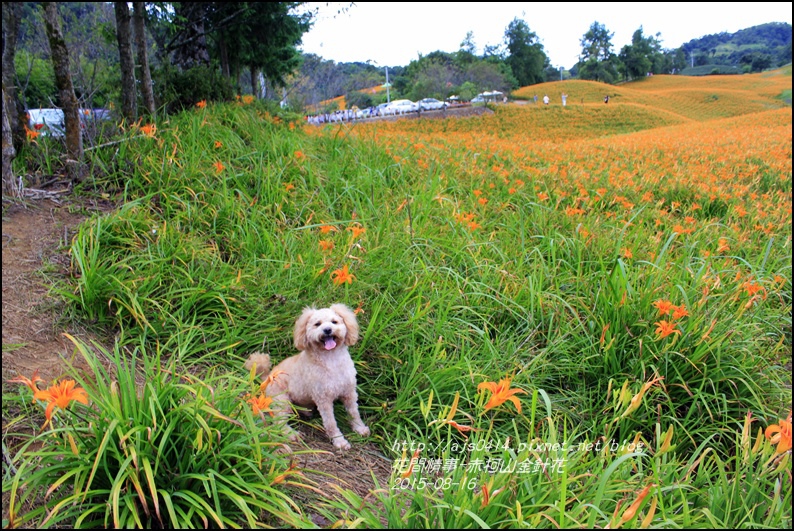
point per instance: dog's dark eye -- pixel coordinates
(317, 323)
(334, 321)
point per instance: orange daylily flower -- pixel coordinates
(270, 379)
(218, 144)
(149, 130)
(201, 104)
(31, 135)
(680, 311)
(357, 231)
(753, 287)
(299, 154)
(61, 395)
(291, 471)
(632, 509)
(248, 98)
(665, 328)
(501, 393)
(30, 382)
(460, 427)
(261, 404)
(486, 498)
(664, 306)
(413, 461)
(340, 276)
(326, 245)
(218, 166)
(325, 229)
(780, 434)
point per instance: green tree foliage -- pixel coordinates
(526, 58)
(89, 33)
(468, 49)
(179, 89)
(261, 35)
(642, 56)
(753, 49)
(598, 62)
(36, 80)
(253, 35)
(441, 74)
(318, 80)
(359, 99)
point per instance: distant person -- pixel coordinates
(536, 99)
(564, 97)
(606, 98)
(545, 99)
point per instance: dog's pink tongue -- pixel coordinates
(330, 344)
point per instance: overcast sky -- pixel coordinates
(395, 33)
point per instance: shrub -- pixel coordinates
(359, 99)
(177, 89)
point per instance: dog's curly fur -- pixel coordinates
(322, 373)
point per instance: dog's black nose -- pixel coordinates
(327, 331)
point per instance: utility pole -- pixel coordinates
(388, 86)
(560, 73)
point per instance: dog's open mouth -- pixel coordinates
(329, 342)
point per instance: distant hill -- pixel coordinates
(748, 50)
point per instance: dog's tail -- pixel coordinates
(259, 362)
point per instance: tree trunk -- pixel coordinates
(191, 50)
(63, 81)
(129, 107)
(223, 51)
(10, 187)
(255, 88)
(139, 30)
(12, 13)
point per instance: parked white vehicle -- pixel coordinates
(431, 104)
(50, 122)
(401, 107)
(380, 110)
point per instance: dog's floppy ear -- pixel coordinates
(351, 324)
(300, 328)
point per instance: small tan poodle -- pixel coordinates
(321, 373)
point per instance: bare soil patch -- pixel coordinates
(36, 237)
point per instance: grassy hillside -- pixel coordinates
(625, 269)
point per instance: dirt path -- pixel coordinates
(35, 239)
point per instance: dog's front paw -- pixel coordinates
(362, 430)
(340, 443)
